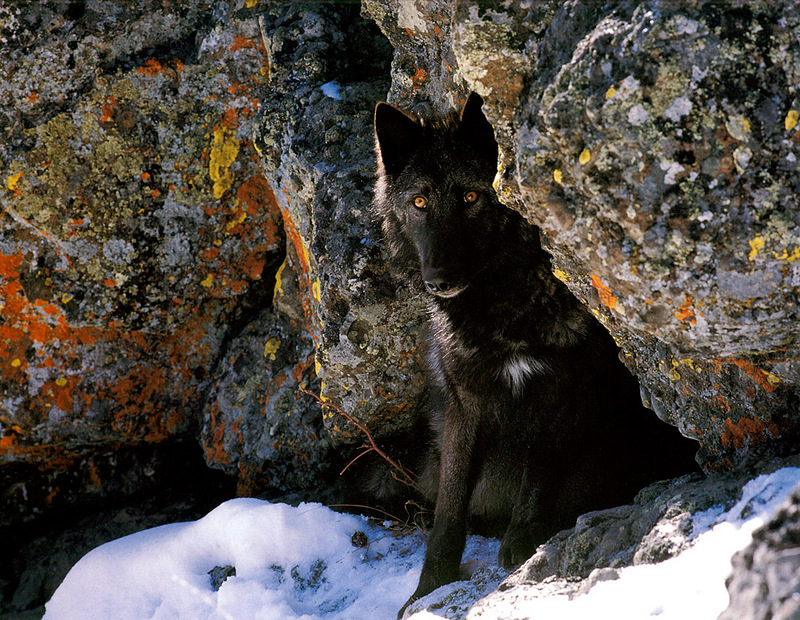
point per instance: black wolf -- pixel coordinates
(535, 419)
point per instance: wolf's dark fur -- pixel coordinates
(535, 418)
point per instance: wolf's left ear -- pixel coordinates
(397, 136)
(476, 129)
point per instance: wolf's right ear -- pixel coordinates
(396, 137)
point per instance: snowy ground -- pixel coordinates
(308, 562)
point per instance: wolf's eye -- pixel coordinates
(420, 202)
(470, 196)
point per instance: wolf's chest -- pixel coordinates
(517, 369)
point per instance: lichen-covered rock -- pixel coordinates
(328, 68)
(656, 146)
(661, 162)
(663, 522)
(137, 231)
(766, 575)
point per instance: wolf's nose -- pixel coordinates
(437, 286)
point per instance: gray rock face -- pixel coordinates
(766, 575)
(328, 68)
(137, 234)
(657, 148)
(664, 520)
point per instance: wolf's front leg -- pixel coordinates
(456, 481)
(528, 527)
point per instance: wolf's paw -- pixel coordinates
(519, 543)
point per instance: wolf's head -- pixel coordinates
(434, 194)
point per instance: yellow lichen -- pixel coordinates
(316, 291)
(774, 380)
(271, 347)
(789, 257)
(670, 371)
(61, 381)
(557, 176)
(224, 150)
(611, 92)
(278, 281)
(237, 219)
(584, 157)
(11, 182)
(497, 177)
(790, 122)
(756, 245)
(691, 364)
(209, 281)
(561, 275)
(16, 363)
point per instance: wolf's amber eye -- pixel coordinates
(420, 202)
(470, 196)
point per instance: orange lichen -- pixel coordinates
(418, 79)
(686, 314)
(764, 379)
(721, 402)
(606, 296)
(241, 43)
(139, 398)
(151, 68)
(108, 109)
(747, 431)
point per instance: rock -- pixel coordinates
(219, 574)
(38, 554)
(656, 148)
(314, 133)
(766, 575)
(139, 238)
(679, 218)
(664, 521)
(655, 527)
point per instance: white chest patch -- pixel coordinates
(518, 368)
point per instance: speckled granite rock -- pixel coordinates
(329, 67)
(656, 145)
(138, 234)
(766, 575)
(169, 168)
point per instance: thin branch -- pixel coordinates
(365, 430)
(367, 450)
(363, 507)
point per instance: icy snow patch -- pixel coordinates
(305, 563)
(691, 585)
(332, 90)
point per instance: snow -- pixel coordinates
(305, 563)
(691, 585)
(332, 90)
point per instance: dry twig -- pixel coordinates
(406, 477)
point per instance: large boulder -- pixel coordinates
(138, 234)
(314, 134)
(766, 575)
(656, 146)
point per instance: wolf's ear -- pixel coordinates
(396, 137)
(476, 129)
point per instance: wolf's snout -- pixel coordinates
(437, 286)
(443, 288)
(436, 280)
